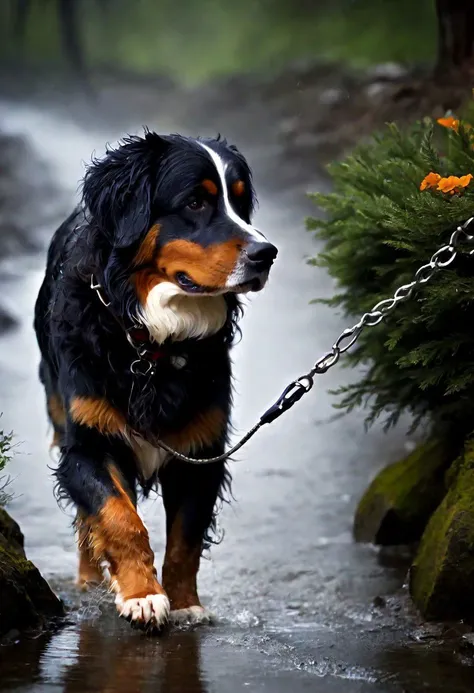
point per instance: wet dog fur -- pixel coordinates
(164, 229)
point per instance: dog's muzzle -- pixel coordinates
(253, 268)
(260, 256)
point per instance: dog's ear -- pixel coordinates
(118, 189)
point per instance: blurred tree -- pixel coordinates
(68, 12)
(455, 36)
(352, 29)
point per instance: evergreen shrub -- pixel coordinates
(395, 201)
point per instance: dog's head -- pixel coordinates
(172, 227)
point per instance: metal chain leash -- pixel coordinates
(442, 258)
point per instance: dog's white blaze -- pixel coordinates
(171, 312)
(221, 169)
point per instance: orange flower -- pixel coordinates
(453, 184)
(449, 122)
(430, 181)
(449, 184)
(465, 180)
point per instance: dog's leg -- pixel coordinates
(189, 496)
(54, 404)
(120, 536)
(57, 416)
(89, 573)
(117, 534)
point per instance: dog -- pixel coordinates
(135, 320)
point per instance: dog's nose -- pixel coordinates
(261, 255)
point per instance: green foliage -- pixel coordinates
(5, 456)
(194, 41)
(5, 448)
(379, 228)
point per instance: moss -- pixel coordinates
(26, 600)
(11, 532)
(398, 503)
(442, 575)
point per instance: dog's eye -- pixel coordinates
(185, 282)
(196, 203)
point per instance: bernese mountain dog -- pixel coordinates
(135, 319)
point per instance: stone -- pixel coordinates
(26, 600)
(375, 89)
(379, 602)
(441, 579)
(388, 71)
(468, 640)
(331, 96)
(11, 532)
(7, 321)
(400, 500)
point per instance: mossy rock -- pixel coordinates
(399, 501)
(26, 600)
(11, 532)
(442, 575)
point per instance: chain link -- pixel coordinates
(442, 258)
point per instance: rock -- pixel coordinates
(398, 503)
(442, 575)
(7, 321)
(331, 96)
(11, 532)
(26, 600)
(468, 640)
(379, 602)
(25, 188)
(388, 71)
(375, 89)
(288, 125)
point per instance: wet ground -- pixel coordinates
(299, 606)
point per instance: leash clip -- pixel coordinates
(290, 395)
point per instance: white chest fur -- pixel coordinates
(170, 312)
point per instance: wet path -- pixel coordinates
(292, 592)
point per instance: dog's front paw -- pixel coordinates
(193, 615)
(150, 613)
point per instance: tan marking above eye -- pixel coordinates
(146, 251)
(210, 186)
(209, 267)
(238, 188)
